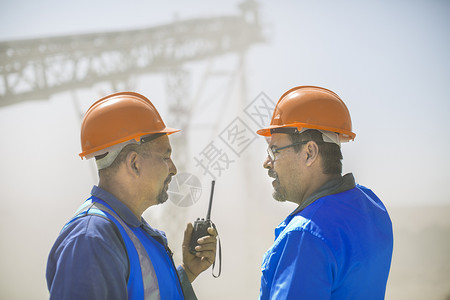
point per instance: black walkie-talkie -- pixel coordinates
(201, 225)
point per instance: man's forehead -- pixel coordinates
(278, 138)
(161, 144)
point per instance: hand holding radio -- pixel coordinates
(204, 256)
(205, 231)
(200, 230)
(201, 225)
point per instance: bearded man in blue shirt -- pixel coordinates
(108, 251)
(337, 244)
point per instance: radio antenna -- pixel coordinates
(208, 215)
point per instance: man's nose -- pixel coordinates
(173, 168)
(267, 163)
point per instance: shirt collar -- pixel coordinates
(126, 214)
(335, 186)
(119, 207)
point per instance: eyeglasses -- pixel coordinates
(271, 151)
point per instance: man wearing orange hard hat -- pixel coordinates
(107, 250)
(337, 244)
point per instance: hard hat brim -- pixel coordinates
(167, 131)
(344, 135)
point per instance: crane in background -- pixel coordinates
(36, 69)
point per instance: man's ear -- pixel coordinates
(312, 153)
(133, 163)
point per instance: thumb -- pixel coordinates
(188, 234)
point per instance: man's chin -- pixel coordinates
(162, 197)
(278, 196)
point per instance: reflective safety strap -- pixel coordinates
(80, 213)
(150, 282)
(147, 288)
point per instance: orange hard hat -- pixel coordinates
(311, 107)
(119, 118)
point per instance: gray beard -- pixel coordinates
(279, 196)
(162, 197)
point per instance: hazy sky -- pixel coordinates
(388, 60)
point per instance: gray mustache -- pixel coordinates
(273, 174)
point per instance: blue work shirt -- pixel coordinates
(338, 247)
(89, 258)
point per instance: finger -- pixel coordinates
(206, 247)
(208, 260)
(212, 231)
(207, 240)
(188, 234)
(208, 255)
